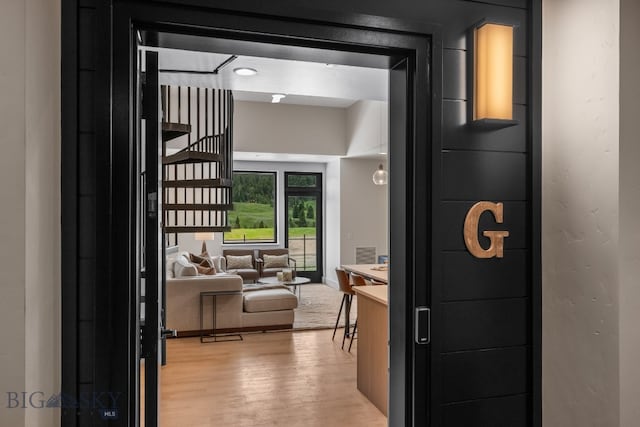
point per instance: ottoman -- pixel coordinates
(269, 307)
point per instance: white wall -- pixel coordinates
(285, 128)
(363, 209)
(332, 216)
(580, 213)
(629, 214)
(367, 128)
(30, 187)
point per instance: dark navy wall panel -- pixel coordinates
(520, 80)
(86, 45)
(511, 3)
(475, 175)
(487, 324)
(86, 288)
(454, 16)
(495, 412)
(87, 227)
(86, 353)
(481, 374)
(465, 277)
(454, 67)
(86, 164)
(457, 133)
(86, 117)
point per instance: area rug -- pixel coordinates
(318, 307)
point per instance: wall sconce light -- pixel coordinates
(492, 50)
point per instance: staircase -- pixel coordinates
(197, 179)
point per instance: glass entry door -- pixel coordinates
(303, 233)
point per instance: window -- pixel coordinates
(303, 231)
(253, 219)
(302, 180)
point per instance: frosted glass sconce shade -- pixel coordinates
(493, 72)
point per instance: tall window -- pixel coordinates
(253, 218)
(303, 202)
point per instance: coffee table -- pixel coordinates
(298, 281)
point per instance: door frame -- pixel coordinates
(318, 193)
(416, 49)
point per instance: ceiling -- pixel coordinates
(304, 83)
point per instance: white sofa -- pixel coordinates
(254, 308)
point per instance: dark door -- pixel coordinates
(149, 203)
(303, 232)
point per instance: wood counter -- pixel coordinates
(373, 338)
(378, 272)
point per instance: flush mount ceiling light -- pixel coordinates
(244, 71)
(276, 97)
(493, 74)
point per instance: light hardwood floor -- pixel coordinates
(269, 379)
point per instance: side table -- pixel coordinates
(214, 295)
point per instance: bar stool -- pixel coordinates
(357, 280)
(347, 296)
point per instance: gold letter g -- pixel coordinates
(496, 249)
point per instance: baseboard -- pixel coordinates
(331, 282)
(196, 333)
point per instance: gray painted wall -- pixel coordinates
(629, 260)
(30, 226)
(275, 128)
(580, 233)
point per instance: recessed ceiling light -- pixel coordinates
(245, 71)
(276, 97)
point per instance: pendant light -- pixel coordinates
(380, 176)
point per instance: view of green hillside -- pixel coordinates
(254, 221)
(253, 215)
(253, 202)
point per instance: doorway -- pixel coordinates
(113, 331)
(303, 233)
(301, 194)
(306, 200)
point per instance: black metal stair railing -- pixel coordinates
(197, 165)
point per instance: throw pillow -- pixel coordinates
(236, 262)
(202, 259)
(203, 268)
(275, 261)
(183, 268)
(203, 263)
(219, 263)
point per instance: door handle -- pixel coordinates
(423, 325)
(164, 333)
(152, 204)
